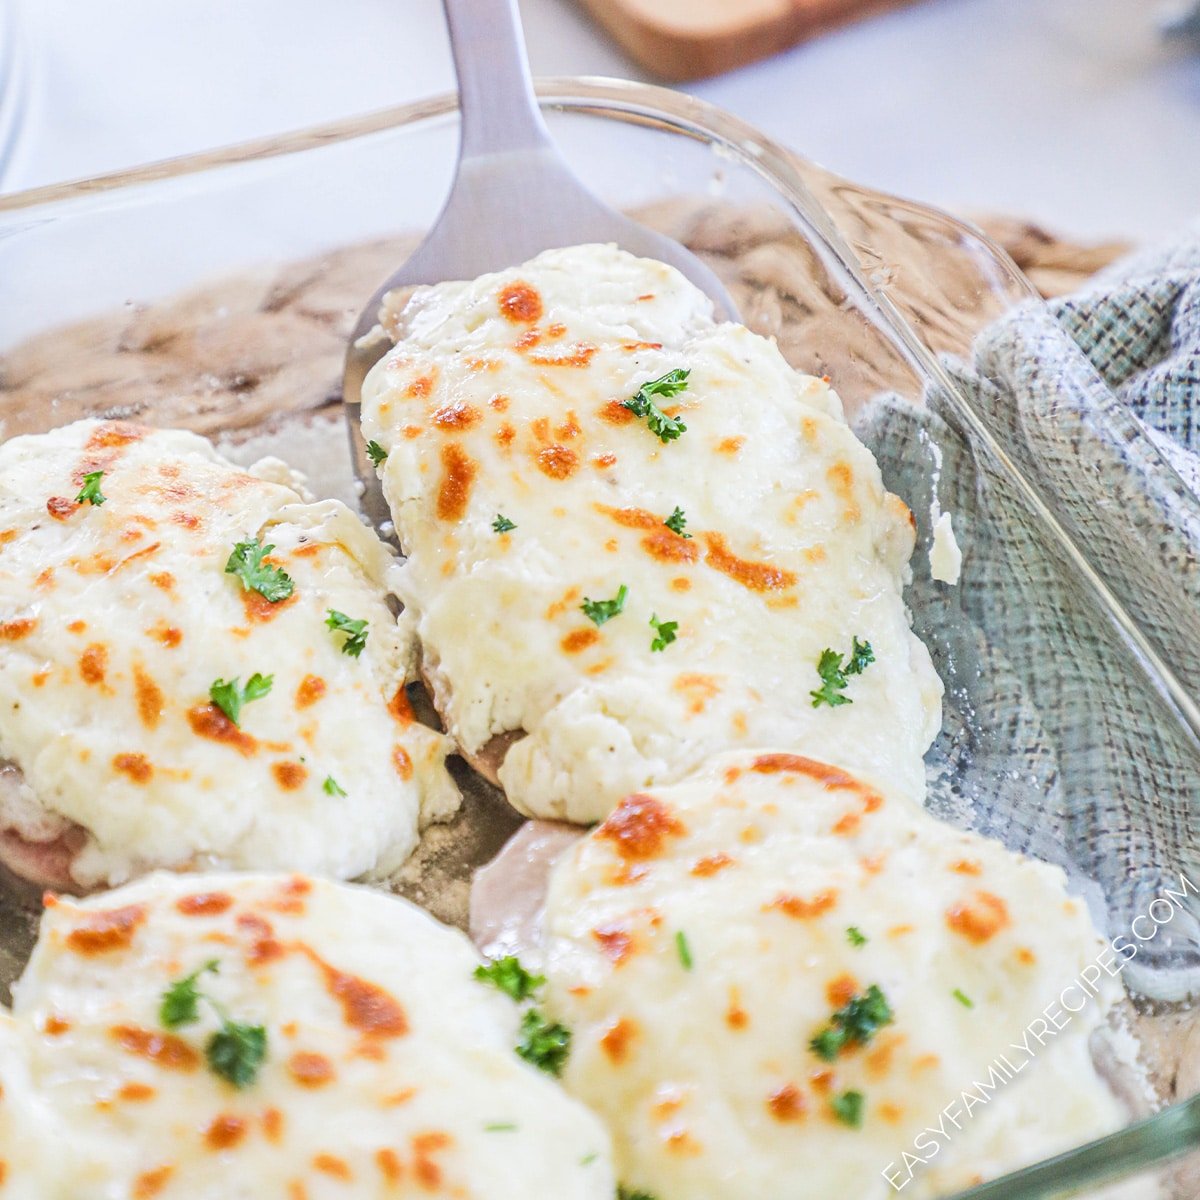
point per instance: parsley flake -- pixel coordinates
(685, 951)
(331, 787)
(376, 453)
(544, 1043)
(510, 977)
(270, 582)
(665, 630)
(642, 404)
(676, 521)
(500, 1127)
(624, 1193)
(856, 937)
(963, 998)
(180, 1003)
(502, 524)
(90, 492)
(848, 1108)
(340, 623)
(236, 1051)
(834, 676)
(599, 611)
(229, 697)
(855, 1023)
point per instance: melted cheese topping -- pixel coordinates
(762, 864)
(389, 1070)
(504, 396)
(116, 619)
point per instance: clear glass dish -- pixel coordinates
(214, 292)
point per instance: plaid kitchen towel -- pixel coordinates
(1055, 740)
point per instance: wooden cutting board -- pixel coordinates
(690, 39)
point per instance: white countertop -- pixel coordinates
(1072, 112)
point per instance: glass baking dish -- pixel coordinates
(215, 292)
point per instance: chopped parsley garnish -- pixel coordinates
(848, 1108)
(835, 676)
(376, 453)
(588, 1159)
(181, 1001)
(270, 582)
(624, 1193)
(544, 1043)
(236, 1050)
(855, 1023)
(499, 1127)
(599, 611)
(90, 492)
(510, 977)
(855, 936)
(676, 521)
(685, 951)
(331, 787)
(229, 697)
(642, 404)
(340, 623)
(963, 998)
(665, 630)
(502, 524)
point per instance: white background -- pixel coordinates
(1072, 112)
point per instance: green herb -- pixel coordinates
(181, 1001)
(502, 524)
(599, 611)
(331, 787)
(855, 936)
(642, 404)
(236, 1051)
(376, 453)
(510, 977)
(544, 1043)
(676, 521)
(624, 1193)
(855, 1023)
(665, 631)
(499, 1127)
(270, 582)
(229, 697)
(588, 1159)
(340, 623)
(963, 998)
(685, 951)
(848, 1108)
(834, 675)
(90, 492)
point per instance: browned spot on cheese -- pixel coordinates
(457, 416)
(1025, 956)
(412, 432)
(633, 518)
(296, 1190)
(330, 1164)
(390, 1167)
(136, 1093)
(892, 1113)
(565, 601)
(900, 930)
(499, 402)
(847, 825)
(224, 1131)
(15, 630)
(8, 535)
(150, 1183)
(682, 1143)
(77, 627)
(979, 918)
(40, 677)
(505, 435)
(786, 1103)
(163, 1049)
(879, 1057)
(756, 576)
(557, 461)
(520, 303)
(730, 445)
(310, 689)
(45, 579)
(309, 1069)
(633, 347)
(395, 1099)
(736, 1016)
(400, 709)
(841, 476)
(527, 340)
(55, 1026)
(821, 1081)
(115, 435)
(264, 946)
(803, 910)
(136, 766)
(272, 1120)
(640, 825)
(162, 579)
(603, 461)
(259, 609)
(699, 690)
(458, 476)
(289, 775)
(366, 1006)
(208, 721)
(667, 546)
(710, 864)
(60, 508)
(578, 355)
(831, 778)
(149, 698)
(841, 990)
(617, 1038)
(681, 583)
(169, 635)
(615, 413)
(967, 866)
(204, 904)
(105, 931)
(579, 639)
(402, 762)
(616, 942)
(873, 864)
(424, 1146)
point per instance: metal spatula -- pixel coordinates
(513, 197)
